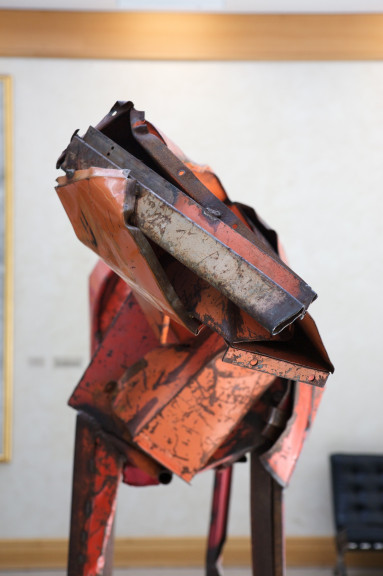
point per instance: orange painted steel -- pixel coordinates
(202, 347)
(96, 200)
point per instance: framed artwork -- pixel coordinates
(5, 269)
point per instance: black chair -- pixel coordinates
(357, 484)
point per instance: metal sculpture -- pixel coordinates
(202, 347)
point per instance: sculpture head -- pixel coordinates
(205, 271)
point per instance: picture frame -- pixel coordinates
(6, 267)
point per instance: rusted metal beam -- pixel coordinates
(218, 520)
(266, 522)
(256, 280)
(96, 476)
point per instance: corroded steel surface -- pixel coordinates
(281, 459)
(292, 295)
(96, 476)
(295, 359)
(96, 199)
(202, 347)
(191, 427)
(218, 520)
(200, 241)
(266, 522)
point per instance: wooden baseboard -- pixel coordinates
(181, 552)
(190, 36)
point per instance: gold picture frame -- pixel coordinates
(6, 267)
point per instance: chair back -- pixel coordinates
(357, 483)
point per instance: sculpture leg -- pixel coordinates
(218, 520)
(266, 522)
(109, 553)
(96, 475)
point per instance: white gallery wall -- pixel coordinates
(302, 143)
